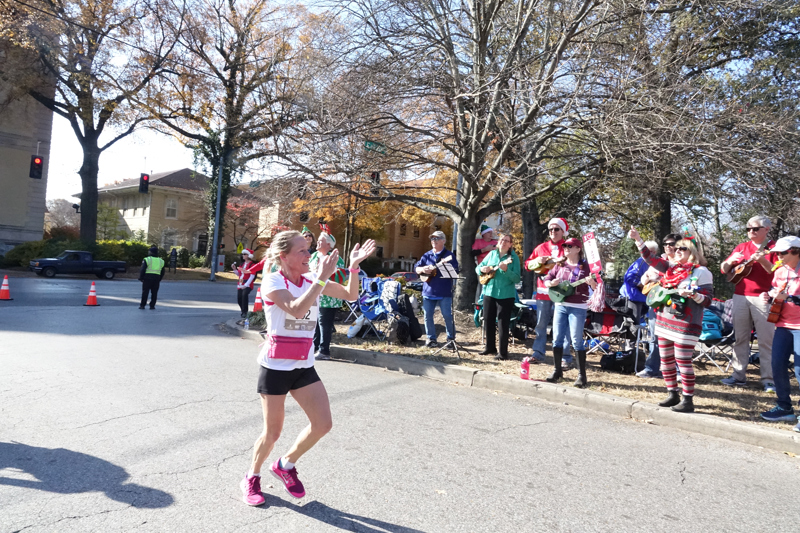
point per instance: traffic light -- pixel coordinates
(37, 164)
(375, 178)
(144, 182)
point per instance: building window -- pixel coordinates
(416, 232)
(402, 230)
(169, 239)
(304, 216)
(379, 252)
(172, 208)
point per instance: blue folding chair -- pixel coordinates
(378, 299)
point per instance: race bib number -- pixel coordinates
(307, 323)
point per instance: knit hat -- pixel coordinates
(306, 230)
(485, 228)
(560, 222)
(153, 250)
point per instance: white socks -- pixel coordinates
(285, 464)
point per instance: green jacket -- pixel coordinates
(502, 285)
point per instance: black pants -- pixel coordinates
(150, 286)
(497, 312)
(324, 330)
(243, 297)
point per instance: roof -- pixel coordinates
(185, 178)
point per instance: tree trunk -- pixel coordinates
(664, 207)
(88, 173)
(531, 238)
(464, 297)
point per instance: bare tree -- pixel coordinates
(62, 214)
(232, 84)
(100, 54)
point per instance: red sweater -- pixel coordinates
(546, 249)
(759, 280)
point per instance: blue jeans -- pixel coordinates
(568, 322)
(446, 307)
(544, 316)
(784, 343)
(653, 362)
(324, 330)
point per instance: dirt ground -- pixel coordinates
(711, 397)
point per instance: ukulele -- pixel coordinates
(487, 277)
(426, 277)
(659, 296)
(775, 306)
(566, 288)
(544, 267)
(743, 269)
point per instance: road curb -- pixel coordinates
(747, 433)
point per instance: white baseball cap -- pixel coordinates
(785, 243)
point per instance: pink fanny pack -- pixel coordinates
(282, 347)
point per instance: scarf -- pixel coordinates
(677, 273)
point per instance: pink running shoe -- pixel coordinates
(251, 490)
(289, 478)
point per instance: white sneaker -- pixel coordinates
(797, 428)
(769, 387)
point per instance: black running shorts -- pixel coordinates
(280, 382)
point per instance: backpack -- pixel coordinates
(397, 329)
(405, 308)
(712, 327)
(622, 362)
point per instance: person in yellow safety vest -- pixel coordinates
(153, 268)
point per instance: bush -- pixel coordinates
(23, 254)
(196, 261)
(132, 252)
(183, 257)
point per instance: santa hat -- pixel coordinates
(306, 230)
(560, 222)
(485, 228)
(247, 252)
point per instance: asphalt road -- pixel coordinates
(116, 419)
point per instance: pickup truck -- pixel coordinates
(76, 262)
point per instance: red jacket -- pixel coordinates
(546, 249)
(246, 280)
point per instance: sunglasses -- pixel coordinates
(672, 243)
(551, 230)
(570, 246)
(682, 248)
(436, 238)
(755, 229)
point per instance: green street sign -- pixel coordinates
(373, 146)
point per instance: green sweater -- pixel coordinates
(502, 285)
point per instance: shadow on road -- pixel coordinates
(334, 517)
(67, 472)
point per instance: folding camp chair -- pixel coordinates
(376, 302)
(609, 329)
(717, 338)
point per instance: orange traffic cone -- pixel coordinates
(92, 299)
(258, 306)
(5, 294)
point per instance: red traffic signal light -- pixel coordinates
(37, 166)
(144, 181)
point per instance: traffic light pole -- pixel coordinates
(215, 245)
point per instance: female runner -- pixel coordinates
(291, 297)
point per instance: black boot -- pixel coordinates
(557, 373)
(581, 381)
(686, 405)
(672, 399)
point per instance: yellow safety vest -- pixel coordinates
(154, 265)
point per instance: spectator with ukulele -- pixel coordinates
(785, 314)
(499, 273)
(750, 268)
(436, 289)
(542, 259)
